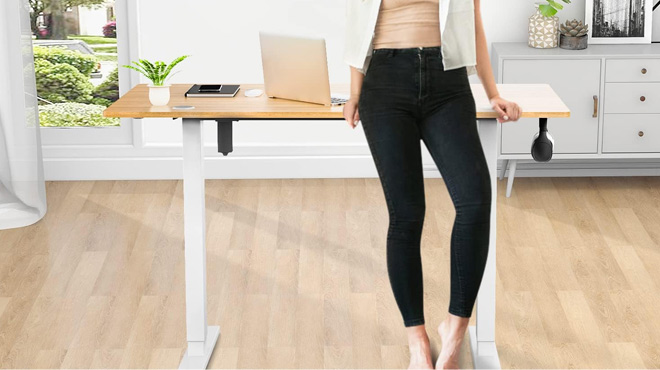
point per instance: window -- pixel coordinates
(78, 46)
(75, 50)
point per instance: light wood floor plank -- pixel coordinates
(297, 275)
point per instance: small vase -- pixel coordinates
(159, 95)
(543, 31)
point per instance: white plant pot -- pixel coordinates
(159, 95)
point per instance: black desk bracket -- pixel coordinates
(225, 142)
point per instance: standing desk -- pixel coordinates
(536, 101)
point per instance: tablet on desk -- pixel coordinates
(212, 91)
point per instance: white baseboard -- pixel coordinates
(342, 166)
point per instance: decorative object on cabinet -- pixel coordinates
(613, 92)
(543, 25)
(619, 21)
(573, 35)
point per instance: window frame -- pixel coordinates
(130, 131)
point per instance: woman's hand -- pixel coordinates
(351, 114)
(507, 110)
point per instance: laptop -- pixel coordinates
(296, 68)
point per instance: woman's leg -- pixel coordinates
(388, 114)
(394, 141)
(395, 146)
(449, 131)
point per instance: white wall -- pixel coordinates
(92, 20)
(222, 37)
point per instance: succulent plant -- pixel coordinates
(574, 28)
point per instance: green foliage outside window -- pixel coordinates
(63, 78)
(74, 115)
(60, 83)
(109, 89)
(84, 63)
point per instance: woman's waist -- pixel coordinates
(423, 50)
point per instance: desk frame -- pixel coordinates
(202, 338)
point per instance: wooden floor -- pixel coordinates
(297, 279)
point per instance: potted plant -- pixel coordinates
(573, 35)
(544, 24)
(157, 73)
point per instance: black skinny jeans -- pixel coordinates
(407, 96)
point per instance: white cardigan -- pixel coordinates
(456, 30)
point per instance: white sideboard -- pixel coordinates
(613, 92)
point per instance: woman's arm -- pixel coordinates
(356, 82)
(508, 111)
(351, 114)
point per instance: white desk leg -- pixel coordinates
(482, 337)
(201, 339)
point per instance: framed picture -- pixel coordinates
(656, 21)
(619, 21)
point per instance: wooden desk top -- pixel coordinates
(536, 100)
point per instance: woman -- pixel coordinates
(410, 83)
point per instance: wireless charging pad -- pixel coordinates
(253, 93)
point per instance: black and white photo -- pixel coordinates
(619, 21)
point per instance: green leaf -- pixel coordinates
(173, 64)
(160, 68)
(141, 69)
(547, 10)
(157, 71)
(556, 5)
(135, 69)
(147, 65)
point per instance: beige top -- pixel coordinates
(407, 23)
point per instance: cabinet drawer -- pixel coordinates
(631, 133)
(632, 70)
(632, 97)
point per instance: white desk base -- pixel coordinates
(202, 338)
(190, 361)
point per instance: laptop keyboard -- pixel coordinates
(338, 100)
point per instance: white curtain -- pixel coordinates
(22, 186)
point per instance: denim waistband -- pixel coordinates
(428, 50)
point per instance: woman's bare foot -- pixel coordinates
(451, 330)
(420, 348)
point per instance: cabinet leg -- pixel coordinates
(505, 164)
(512, 175)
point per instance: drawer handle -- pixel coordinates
(641, 133)
(643, 71)
(642, 98)
(595, 106)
